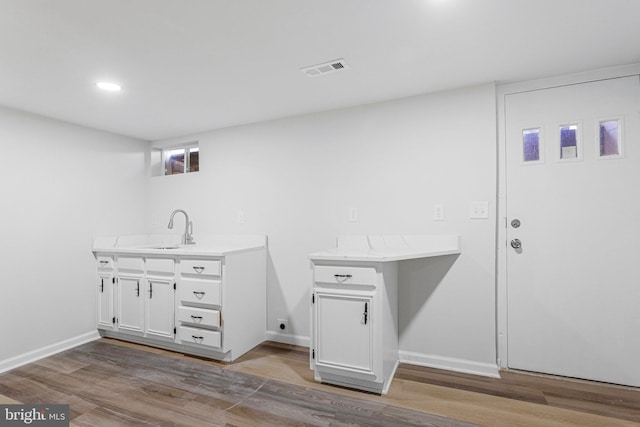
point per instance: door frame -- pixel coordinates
(501, 243)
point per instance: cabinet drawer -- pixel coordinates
(199, 316)
(344, 275)
(204, 292)
(130, 263)
(160, 265)
(105, 262)
(201, 267)
(199, 336)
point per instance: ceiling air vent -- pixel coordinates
(325, 68)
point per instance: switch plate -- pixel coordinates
(438, 212)
(240, 217)
(479, 210)
(353, 215)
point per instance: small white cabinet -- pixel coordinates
(354, 306)
(354, 316)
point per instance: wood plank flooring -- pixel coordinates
(114, 383)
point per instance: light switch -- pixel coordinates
(353, 214)
(479, 210)
(438, 212)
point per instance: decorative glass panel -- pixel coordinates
(609, 138)
(569, 142)
(531, 145)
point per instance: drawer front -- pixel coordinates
(200, 336)
(105, 262)
(205, 292)
(199, 316)
(160, 265)
(344, 275)
(130, 263)
(201, 267)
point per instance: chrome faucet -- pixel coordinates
(187, 238)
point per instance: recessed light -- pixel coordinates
(109, 86)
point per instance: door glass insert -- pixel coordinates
(531, 145)
(569, 142)
(610, 142)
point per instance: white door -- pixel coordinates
(160, 308)
(131, 305)
(573, 285)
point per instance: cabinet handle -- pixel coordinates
(150, 290)
(198, 294)
(138, 289)
(196, 317)
(342, 277)
(102, 285)
(366, 312)
(197, 338)
(104, 262)
(198, 270)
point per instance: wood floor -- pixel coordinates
(114, 383)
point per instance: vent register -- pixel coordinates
(325, 68)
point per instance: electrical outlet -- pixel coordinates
(438, 212)
(479, 210)
(283, 325)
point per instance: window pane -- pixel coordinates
(531, 145)
(609, 140)
(569, 142)
(194, 160)
(174, 162)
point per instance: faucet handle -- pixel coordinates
(189, 235)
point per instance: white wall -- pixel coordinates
(295, 180)
(61, 186)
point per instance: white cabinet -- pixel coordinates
(209, 305)
(354, 306)
(354, 321)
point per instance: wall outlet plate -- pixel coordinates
(479, 210)
(438, 212)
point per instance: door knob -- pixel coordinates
(516, 244)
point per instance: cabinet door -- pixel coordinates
(131, 305)
(344, 339)
(160, 308)
(106, 315)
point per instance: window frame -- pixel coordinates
(186, 150)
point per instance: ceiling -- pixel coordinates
(188, 66)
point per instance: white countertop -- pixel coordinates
(169, 244)
(389, 248)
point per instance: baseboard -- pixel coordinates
(450, 364)
(288, 339)
(41, 353)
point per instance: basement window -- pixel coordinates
(181, 159)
